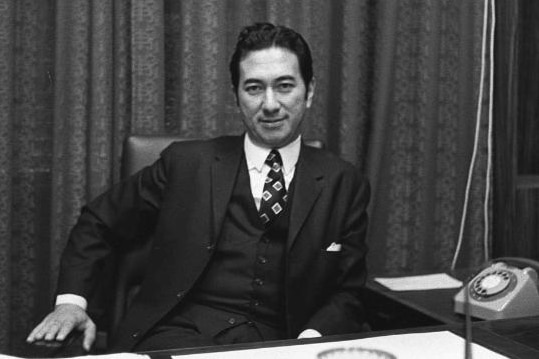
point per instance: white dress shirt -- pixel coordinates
(256, 156)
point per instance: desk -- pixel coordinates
(521, 330)
(387, 309)
(502, 336)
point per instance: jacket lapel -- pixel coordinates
(223, 177)
(309, 184)
(226, 162)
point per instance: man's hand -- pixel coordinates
(63, 320)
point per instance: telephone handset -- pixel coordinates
(507, 288)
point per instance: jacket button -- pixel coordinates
(135, 335)
(232, 321)
(210, 247)
(180, 295)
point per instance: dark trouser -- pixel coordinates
(197, 326)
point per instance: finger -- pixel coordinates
(64, 331)
(33, 336)
(89, 336)
(41, 331)
(52, 331)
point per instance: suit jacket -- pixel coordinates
(182, 199)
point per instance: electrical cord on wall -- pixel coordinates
(477, 131)
(486, 243)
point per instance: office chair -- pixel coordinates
(138, 152)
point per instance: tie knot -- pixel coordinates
(274, 160)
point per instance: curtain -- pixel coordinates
(427, 65)
(397, 88)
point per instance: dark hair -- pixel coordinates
(265, 35)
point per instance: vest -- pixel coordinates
(244, 282)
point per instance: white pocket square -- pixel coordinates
(334, 247)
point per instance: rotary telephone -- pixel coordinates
(507, 288)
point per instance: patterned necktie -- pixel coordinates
(274, 196)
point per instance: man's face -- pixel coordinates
(272, 96)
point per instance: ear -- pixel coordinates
(310, 92)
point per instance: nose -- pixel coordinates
(271, 104)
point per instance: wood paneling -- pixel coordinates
(505, 107)
(516, 118)
(528, 89)
(525, 238)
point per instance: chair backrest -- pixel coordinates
(140, 151)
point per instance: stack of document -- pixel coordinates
(420, 282)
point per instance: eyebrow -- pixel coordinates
(279, 79)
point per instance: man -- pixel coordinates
(255, 237)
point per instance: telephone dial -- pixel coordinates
(507, 288)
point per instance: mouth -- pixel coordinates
(272, 122)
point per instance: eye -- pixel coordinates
(253, 89)
(285, 87)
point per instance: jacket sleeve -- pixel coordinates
(125, 213)
(343, 312)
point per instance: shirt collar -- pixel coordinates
(256, 155)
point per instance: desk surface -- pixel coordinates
(435, 304)
(514, 338)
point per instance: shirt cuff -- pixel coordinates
(309, 333)
(72, 299)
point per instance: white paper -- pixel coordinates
(439, 345)
(420, 282)
(104, 356)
